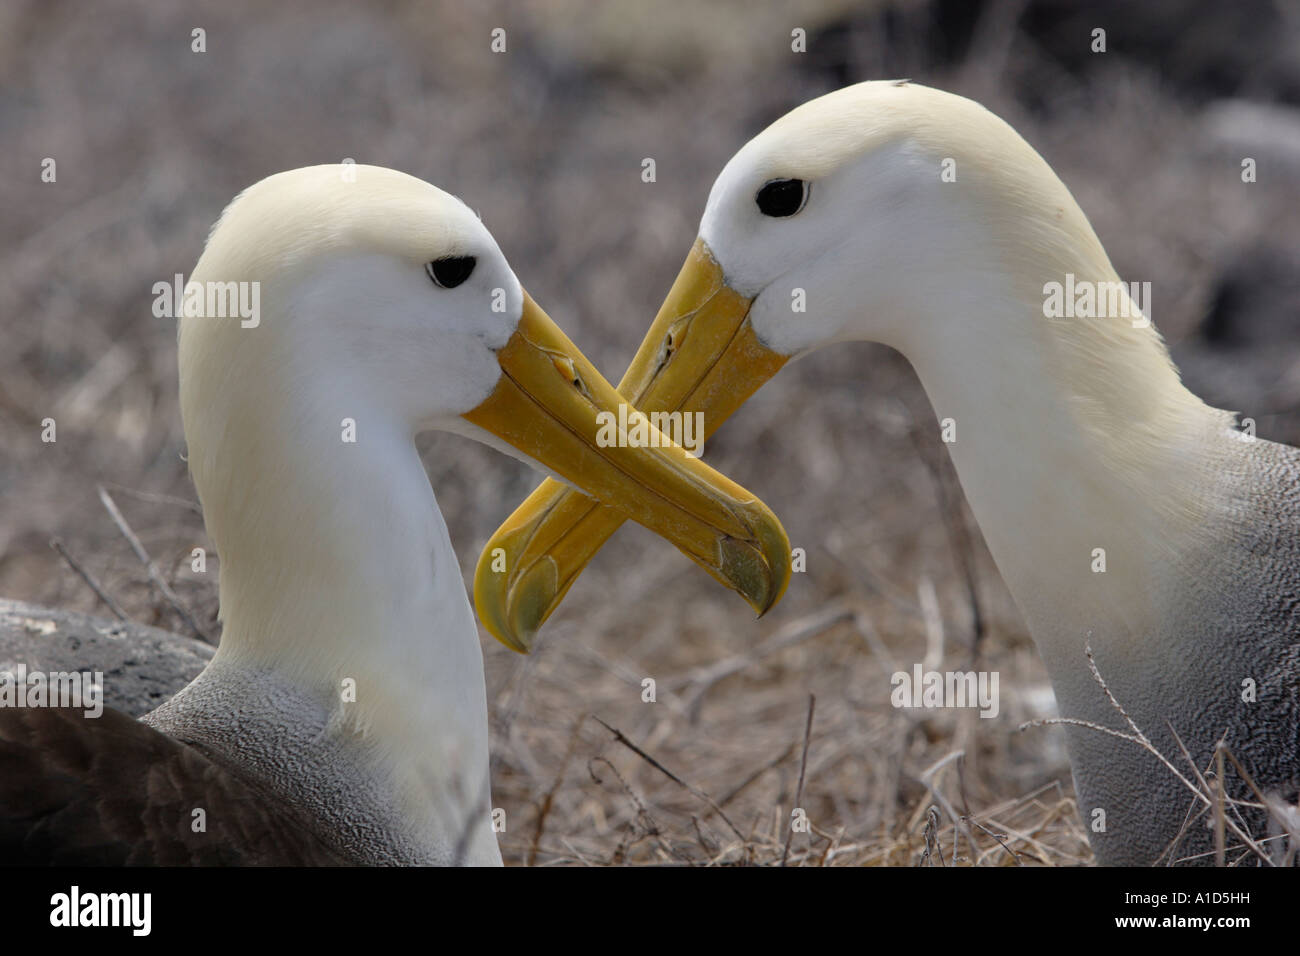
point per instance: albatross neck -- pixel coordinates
(1090, 469)
(336, 562)
(339, 580)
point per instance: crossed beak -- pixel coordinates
(700, 355)
(554, 406)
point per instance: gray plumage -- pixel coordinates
(1237, 629)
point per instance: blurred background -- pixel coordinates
(546, 141)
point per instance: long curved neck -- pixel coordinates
(1134, 520)
(338, 578)
(1092, 471)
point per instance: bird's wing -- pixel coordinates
(113, 791)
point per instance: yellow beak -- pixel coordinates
(554, 406)
(700, 355)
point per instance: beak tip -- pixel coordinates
(517, 642)
(761, 573)
(772, 595)
(760, 579)
(513, 607)
(524, 640)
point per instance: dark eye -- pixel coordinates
(782, 197)
(450, 272)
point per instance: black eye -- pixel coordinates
(450, 272)
(782, 197)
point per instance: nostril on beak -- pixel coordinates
(677, 334)
(672, 342)
(564, 365)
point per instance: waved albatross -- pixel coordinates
(343, 719)
(1074, 433)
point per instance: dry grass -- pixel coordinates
(151, 141)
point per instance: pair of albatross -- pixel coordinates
(1074, 434)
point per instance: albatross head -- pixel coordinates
(884, 212)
